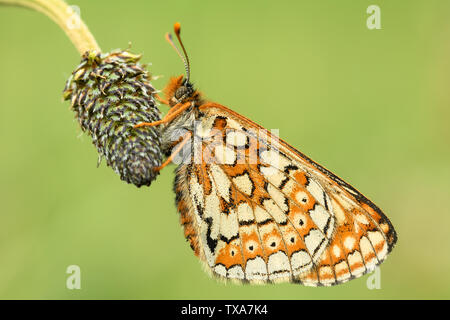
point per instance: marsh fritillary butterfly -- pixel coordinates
(253, 208)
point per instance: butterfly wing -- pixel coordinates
(255, 209)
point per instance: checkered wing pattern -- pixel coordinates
(254, 209)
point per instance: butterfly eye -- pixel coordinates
(181, 91)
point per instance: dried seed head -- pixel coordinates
(110, 93)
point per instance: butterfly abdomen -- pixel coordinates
(184, 206)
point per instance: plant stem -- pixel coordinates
(66, 18)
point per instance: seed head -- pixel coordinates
(111, 93)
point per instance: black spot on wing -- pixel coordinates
(228, 240)
(210, 242)
(290, 167)
(262, 223)
(286, 202)
(327, 225)
(262, 199)
(319, 246)
(325, 201)
(246, 223)
(283, 183)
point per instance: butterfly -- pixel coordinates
(253, 208)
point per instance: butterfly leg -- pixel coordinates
(178, 148)
(173, 112)
(163, 101)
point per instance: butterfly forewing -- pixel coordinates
(255, 209)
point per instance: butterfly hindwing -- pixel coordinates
(255, 209)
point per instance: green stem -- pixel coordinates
(66, 18)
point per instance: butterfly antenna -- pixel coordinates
(185, 57)
(170, 40)
(177, 29)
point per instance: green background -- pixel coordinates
(370, 105)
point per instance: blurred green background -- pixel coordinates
(370, 105)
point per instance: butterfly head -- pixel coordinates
(180, 90)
